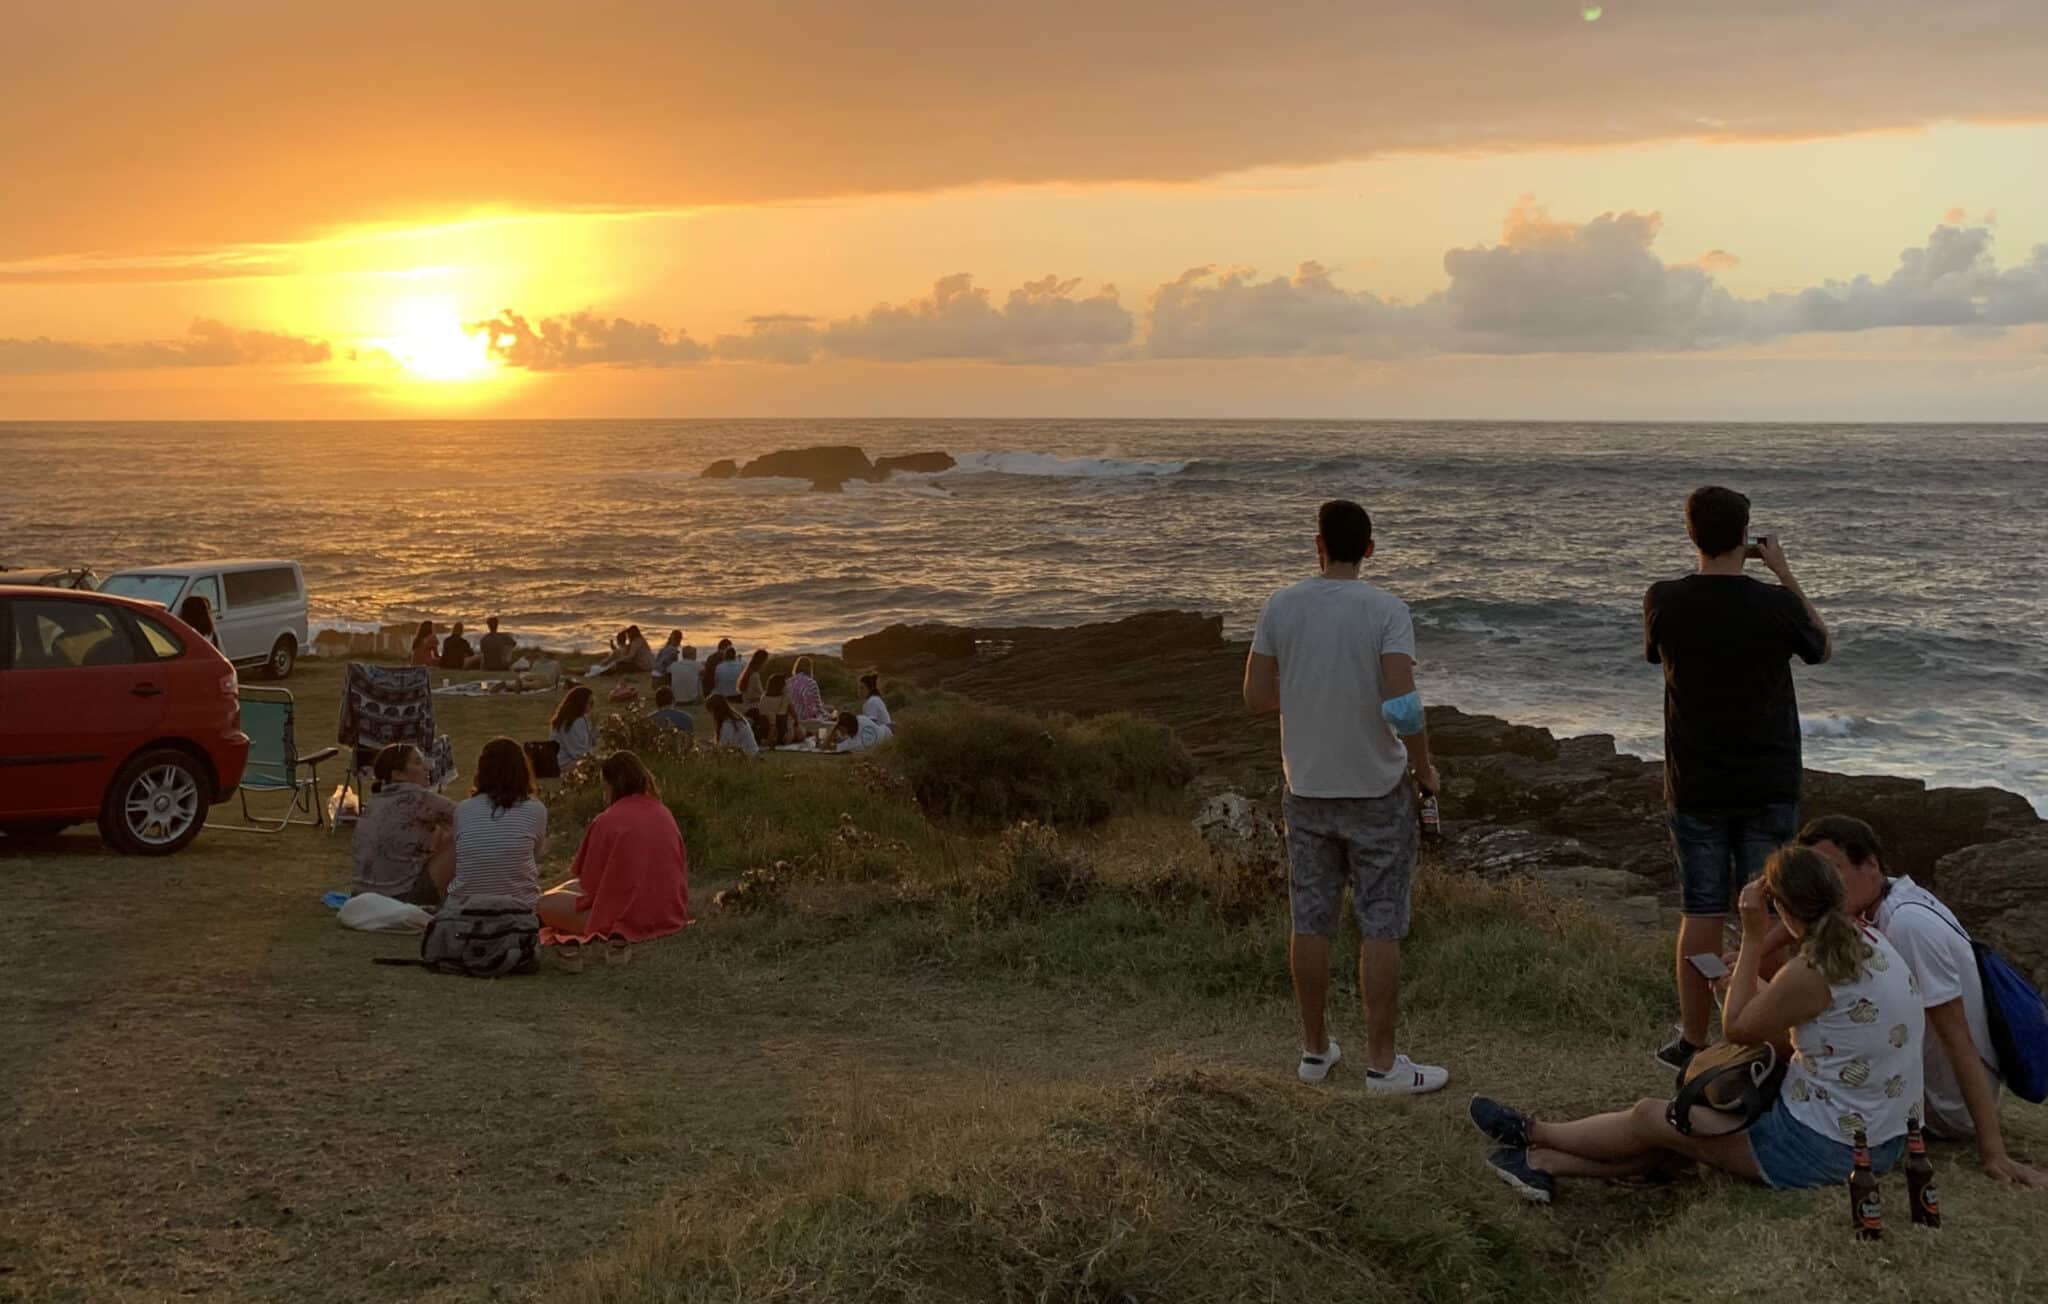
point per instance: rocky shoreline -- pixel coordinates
(1573, 813)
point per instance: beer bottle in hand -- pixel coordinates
(1866, 1211)
(1432, 818)
(1920, 1178)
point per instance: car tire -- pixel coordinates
(156, 804)
(284, 654)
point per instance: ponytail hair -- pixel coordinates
(391, 758)
(1804, 884)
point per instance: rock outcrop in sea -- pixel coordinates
(1573, 813)
(828, 466)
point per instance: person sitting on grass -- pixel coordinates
(631, 878)
(1848, 999)
(426, 649)
(725, 670)
(1961, 1067)
(666, 712)
(630, 655)
(495, 651)
(775, 708)
(872, 706)
(455, 650)
(686, 677)
(570, 727)
(668, 654)
(404, 844)
(729, 729)
(804, 696)
(858, 733)
(753, 683)
(499, 830)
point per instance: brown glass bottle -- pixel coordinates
(1866, 1208)
(1920, 1178)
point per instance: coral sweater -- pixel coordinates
(634, 872)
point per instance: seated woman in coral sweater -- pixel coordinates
(631, 878)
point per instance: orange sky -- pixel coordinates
(1419, 208)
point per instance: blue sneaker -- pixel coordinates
(1511, 1165)
(1501, 1124)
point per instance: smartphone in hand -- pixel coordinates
(1710, 966)
(1754, 549)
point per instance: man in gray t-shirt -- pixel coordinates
(1335, 656)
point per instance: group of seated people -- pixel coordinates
(1869, 989)
(629, 881)
(494, 651)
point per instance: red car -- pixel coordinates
(112, 710)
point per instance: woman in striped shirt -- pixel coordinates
(499, 830)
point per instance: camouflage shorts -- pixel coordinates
(1368, 842)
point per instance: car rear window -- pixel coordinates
(67, 635)
(272, 584)
(160, 589)
(162, 642)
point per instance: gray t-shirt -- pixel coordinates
(1329, 636)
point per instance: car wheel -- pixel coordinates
(284, 654)
(156, 805)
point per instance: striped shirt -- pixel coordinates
(497, 852)
(805, 697)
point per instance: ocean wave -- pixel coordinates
(1068, 468)
(1837, 726)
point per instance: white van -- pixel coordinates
(259, 607)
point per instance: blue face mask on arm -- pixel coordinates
(1404, 713)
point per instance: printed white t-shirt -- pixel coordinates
(1945, 965)
(1857, 1063)
(1329, 636)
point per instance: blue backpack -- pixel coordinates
(2017, 1015)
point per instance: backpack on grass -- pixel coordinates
(2017, 1016)
(485, 937)
(1737, 1080)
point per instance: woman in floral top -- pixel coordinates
(404, 843)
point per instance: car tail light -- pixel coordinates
(227, 686)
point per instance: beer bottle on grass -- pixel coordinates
(1920, 1178)
(1866, 1209)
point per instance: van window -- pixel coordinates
(160, 589)
(67, 635)
(208, 587)
(272, 584)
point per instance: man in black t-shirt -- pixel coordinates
(1731, 727)
(455, 650)
(496, 650)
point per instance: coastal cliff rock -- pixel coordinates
(723, 469)
(827, 466)
(914, 464)
(1996, 890)
(1517, 800)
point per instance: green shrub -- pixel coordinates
(1026, 870)
(988, 766)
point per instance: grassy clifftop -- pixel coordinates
(979, 1017)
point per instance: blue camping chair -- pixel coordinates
(275, 764)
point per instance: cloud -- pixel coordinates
(1210, 314)
(1552, 286)
(584, 339)
(1952, 280)
(1040, 321)
(1044, 321)
(666, 105)
(208, 343)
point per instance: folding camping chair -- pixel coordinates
(381, 705)
(276, 764)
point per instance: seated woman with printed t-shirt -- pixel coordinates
(1855, 1025)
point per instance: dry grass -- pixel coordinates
(209, 1091)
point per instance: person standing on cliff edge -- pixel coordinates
(1731, 727)
(1335, 656)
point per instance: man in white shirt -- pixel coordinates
(1335, 656)
(1961, 1077)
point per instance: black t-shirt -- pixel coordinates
(454, 652)
(497, 650)
(1731, 718)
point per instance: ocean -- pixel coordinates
(1522, 548)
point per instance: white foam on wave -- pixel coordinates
(1835, 726)
(1071, 468)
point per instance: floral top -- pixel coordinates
(395, 836)
(1856, 1065)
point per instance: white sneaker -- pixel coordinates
(1407, 1078)
(1314, 1068)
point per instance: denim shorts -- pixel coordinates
(1793, 1157)
(1370, 843)
(1719, 851)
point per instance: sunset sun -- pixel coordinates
(428, 340)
